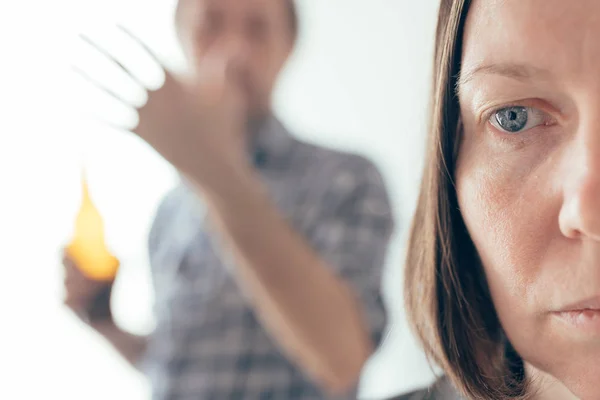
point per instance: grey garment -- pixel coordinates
(441, 390)
(208, 342)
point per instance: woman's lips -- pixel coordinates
(592, 303)
(582, 316)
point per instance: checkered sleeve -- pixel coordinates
(162, 214)
(158, 252)
(353, 234)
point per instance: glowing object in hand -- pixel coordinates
(88, 248)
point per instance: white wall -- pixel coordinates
(359, 80)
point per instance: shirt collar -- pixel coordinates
(271, 144)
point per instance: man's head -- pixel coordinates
(259, 35)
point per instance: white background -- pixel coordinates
(359, 80)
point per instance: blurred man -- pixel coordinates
(273, 292)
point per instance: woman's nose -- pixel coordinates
(580, 214)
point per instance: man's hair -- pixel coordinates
(447, 296)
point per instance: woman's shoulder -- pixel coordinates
(440, 390)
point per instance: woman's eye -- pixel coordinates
(517, 119)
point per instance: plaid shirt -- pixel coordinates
(442, 389)
(208, 343)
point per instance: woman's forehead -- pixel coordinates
(555, 37)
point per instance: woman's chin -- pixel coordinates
(577, 381)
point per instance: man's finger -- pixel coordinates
(67, 260)
(76, 306)
(97, 119)
(113, 59)
(70, 265)
(74, 276)
(100, 86)
(77, 294)
(144, 46)
(74, 280)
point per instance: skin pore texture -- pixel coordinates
(528, 180)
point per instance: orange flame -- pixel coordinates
(88, 248)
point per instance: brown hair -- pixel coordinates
(448, 301)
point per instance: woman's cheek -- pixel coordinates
(502, 212)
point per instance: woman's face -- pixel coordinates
(528, 178)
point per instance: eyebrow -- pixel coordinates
(520, 72)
